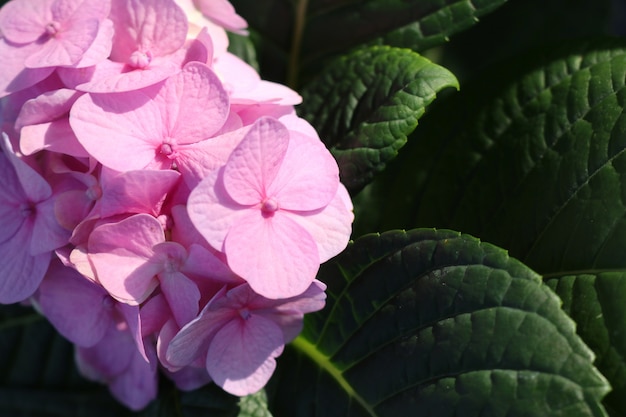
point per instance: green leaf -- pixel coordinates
(243, 47)
(364, 106)
(595, 300)
(436, 323)
(538, 167)
(333, 27)
(313, 31)
(519, 27)
(254, 405)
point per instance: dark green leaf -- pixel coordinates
(365, 105)
(595, 300)
(436, 323)
(316, 30)
(517, 27)
(539, 168)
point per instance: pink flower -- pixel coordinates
(151, 128)
(276, 209)
(43, 124)
(62, 30)
(29, 231)
(148, 41)
(241, 333)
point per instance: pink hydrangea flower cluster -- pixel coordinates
(161, 205)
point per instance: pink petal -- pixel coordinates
(110, 357)
(212, 211)
(130, 122)
(200, 49)
(251, 113)
(183, 231)
(194, 102)
(120, 254)
(47, 233)
(116, 77)
(182, 296)
(72, 207)
(132, 318)
(241, 356)
(289, 313)
(23, 21)
(222, 13)
(154, 314)
(197, 160)
(255, 162)
(100, 49)
(135, 191)
(46, 107)
(20, 272)
(275, 255)
(308, 177)
(138, 385)
(116, 361)
(205, 264)
(246, 87)
(14, 75)
(12, 196)
(193, 339)
(331, 226)
(155, 26)
(79, 309)
(56, 136)
(67, 48)
(35, 187)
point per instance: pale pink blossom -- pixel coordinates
(276, 209)
(60, 32)
(239, 334)
(151, 128)
(147, 47)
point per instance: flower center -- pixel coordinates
(166, 149)
(269, 206)
(108, 302)
(53, 28)
(139, 59)
(27, 209)
(245, 313)
(94, 192)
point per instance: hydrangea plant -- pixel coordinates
(229, 208)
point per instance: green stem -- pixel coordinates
(324, 362)
(294, 55)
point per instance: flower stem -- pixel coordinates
(294, 55)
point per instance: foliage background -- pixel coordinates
(432, 322)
